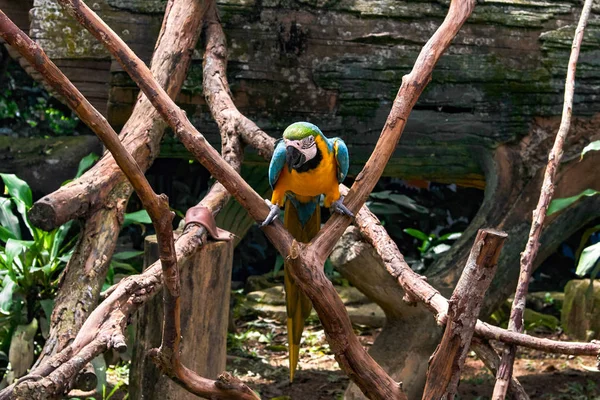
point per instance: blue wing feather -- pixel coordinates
(277, 163)
(342, 157)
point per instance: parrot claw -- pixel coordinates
(273, 214)
(339, 207)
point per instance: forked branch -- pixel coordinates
(158, 209)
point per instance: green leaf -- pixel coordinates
(126, 255)
(59, 238)
(128, 268)
(278, 264)
(8, 220)
(383, 195)
(450, 236)
(138, 217)
(416, 234)
(47, 306)
(6, 295)
(560, 204)
(409, 203)
(441, 248)
(589, 258)
(593, 146)
(85, 163)
(5, 234)
(18, 189)
(384, 208)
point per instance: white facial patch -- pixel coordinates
(306, 146)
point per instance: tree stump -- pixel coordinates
(205, 286)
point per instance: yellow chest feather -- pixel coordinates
(320, 180)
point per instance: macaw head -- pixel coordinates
(300, 143)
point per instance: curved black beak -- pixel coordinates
(294, 157)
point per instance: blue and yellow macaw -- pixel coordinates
(305, 165)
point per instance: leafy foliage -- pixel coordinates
(588, 257)
(28, 267)
(28, 109)
(423, 222)
(31, 260)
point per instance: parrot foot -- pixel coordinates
(273, 214)
(339, 207)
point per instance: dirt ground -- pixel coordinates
(258, 356)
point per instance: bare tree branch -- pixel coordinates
(490, 358)
(158, 209)
(539, 214)
(448, 359)
(412, 86)
(143, 131)
(417, 289)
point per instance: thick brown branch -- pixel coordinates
(370, 377)
(143, 131)
(177, 119)
(539, 214)
(448, 359)
(157, 207)
(413, 85)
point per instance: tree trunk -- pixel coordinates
(205, 305)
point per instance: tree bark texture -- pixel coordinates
(340, 63)
(203, 329)
(448, 359)
(103, 191)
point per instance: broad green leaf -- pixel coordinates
(560, 204)
(138, 217)
(100, 370)
(128, 268)
(59, 238)
(8, 220)
(384, 208)
(383, 195)
(407, 202)
(85, 163)
(441, 248)
(450, 236)
(5, 234)
(14, 248)
(47, 306)
(584, 239)
(593, 146)
(126, 255)
(18, 189)
(416, 234)
(6, 295)
(589, 257)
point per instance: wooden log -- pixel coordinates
(340, 63)
(205, 285)
(463, 310)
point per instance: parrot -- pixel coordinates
(304, 166)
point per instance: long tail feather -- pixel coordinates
(297, 304)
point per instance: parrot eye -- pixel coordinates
(308, 142)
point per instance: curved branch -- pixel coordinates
(193, 140)
(412, 86)
(143, 131)
(417, 289)
(109, 333)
